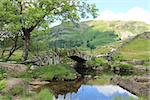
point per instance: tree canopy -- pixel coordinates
(22, 17)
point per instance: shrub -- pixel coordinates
(97, 62)
(51, 72)
(54, 72)
(3, 84)
(3, 74)
(6, 97)
(123, 69)
(125, 66)
(118, 57)
(16, 90)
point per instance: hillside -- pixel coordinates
(138, 48)
(92, 34)
(124, 29)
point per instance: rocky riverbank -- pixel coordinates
(139, 85)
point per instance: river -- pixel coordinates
(81, 90)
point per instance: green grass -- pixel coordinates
(125, 66)
(44, 95)
(17, 90)
(136, 49)
(98, 62)
(119, 27)
(51, 72)
(104, 49)
(6, 97)
(15, 57)
(3, 84)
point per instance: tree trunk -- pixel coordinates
(26, 45)
(10, 53)
(14, 47)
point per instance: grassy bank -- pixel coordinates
(51, 72)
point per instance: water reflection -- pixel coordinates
(106, 92)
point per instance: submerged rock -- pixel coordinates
(137, 85)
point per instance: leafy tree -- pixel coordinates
(24, 16)
(37, 43)
(91, 46)
(8, 40)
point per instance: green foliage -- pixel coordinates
(3, 74)
(124, 66)
(91, 46)
(55, 72)
(97, 33)
(41, 12)
(120, 27)
(98, 62)
(118, 57)
(73, 38)
(38, 14)
(122, 69)
(3, 84)
(142, 97)
(51, 72)
(147, 64)
(16, 56)
(17, 90)
(138, 48)
(44, 94)
(6, 97)
(6, 46)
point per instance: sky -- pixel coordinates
(126, 10)
(121, 5)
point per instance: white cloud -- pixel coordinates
(134, 14)
(105, 90)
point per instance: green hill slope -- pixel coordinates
(92, 34)
(138, 48)
(124, 29)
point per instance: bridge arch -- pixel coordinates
(78, 59)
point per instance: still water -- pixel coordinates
(98, 92)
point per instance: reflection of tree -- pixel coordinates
(63, 88)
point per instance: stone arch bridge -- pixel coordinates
(57, 57)
(78, 56)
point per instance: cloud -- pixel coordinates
(134, 14)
